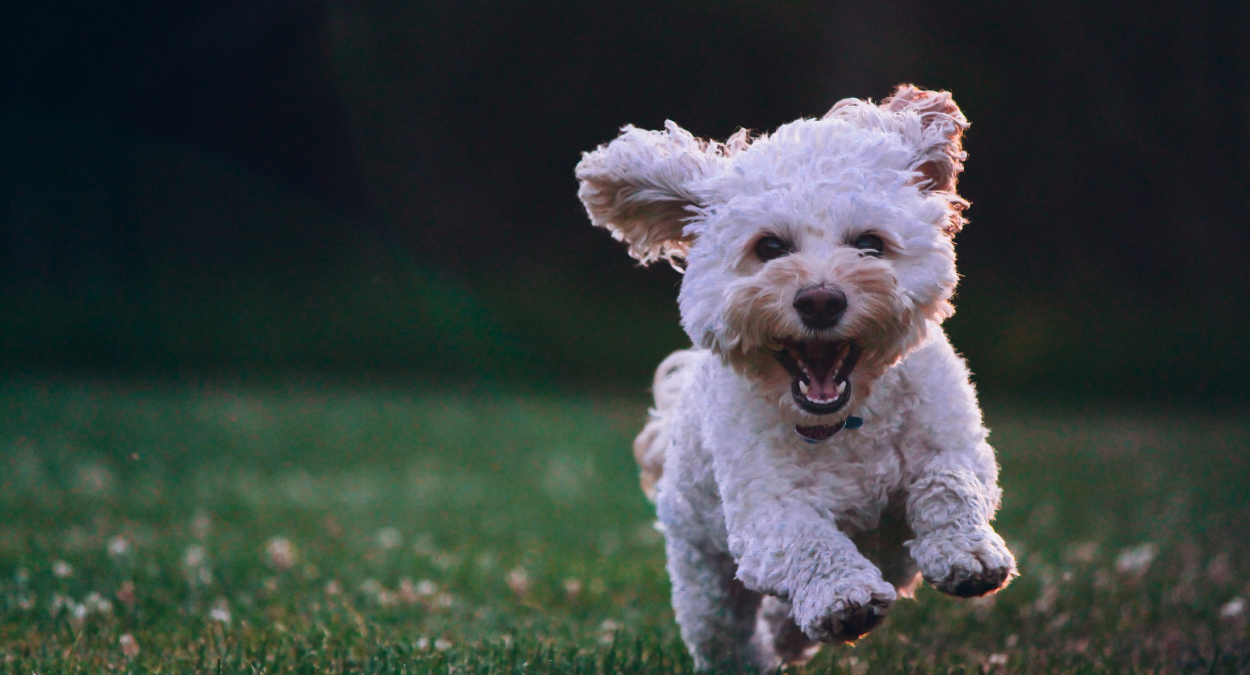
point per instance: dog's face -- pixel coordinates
(816, 257)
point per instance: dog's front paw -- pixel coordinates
(850, 613)
(965, 564)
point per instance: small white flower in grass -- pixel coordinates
(78, 613)
(389, 538)
(572, 588)
(195, 566)
(201, 526)
(59, 602)
(423, 643)
(1085, 552)
(333, 588)
(130, 646)
(94, 480)
(442, 644)
(519, 581)
(194, 557)
(281, 554)
(486, 561)
(1233, 609)
(220, 611)
(444, 560)
(97, 603)
(1045, 602)
(607, 631)
(854, 666)
(407, 592)
(126, 593)
(62, 569)
(426, 588)
(444, 600)
(371, 587)
(1220, 570)
(1134, 562)
(997, 660)
(118, 547)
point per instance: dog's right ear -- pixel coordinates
(638, 187)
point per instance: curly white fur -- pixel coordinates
(775, 544)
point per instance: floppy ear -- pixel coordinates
(638, 187)
(934, 125)
(941, 154)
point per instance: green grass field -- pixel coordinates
(308, 529)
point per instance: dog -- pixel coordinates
(821, 448)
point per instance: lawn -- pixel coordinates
(303, 529)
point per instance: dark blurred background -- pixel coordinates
(377, 187)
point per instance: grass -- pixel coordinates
(148, 528)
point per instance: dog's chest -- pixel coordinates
(852, 477)
(849, 478)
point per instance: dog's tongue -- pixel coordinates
(821, 359)
(822, 388)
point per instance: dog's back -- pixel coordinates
(651, 445)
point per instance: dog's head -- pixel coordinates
(816, 257)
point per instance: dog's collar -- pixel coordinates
(823, 432)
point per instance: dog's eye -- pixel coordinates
(870, 244)
(771, 248)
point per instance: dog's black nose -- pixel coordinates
(820, 306)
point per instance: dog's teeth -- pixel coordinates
(803, 387)
(841, 387)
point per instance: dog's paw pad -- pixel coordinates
(966, 566)
(854, 620)
(964, 583)
(848, 620)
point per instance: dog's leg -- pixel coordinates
(957, 550)
(952, 481)
(716, 613)
(798, 554)
(787, 543)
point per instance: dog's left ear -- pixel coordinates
(934, 125)
(940, 149)
(638, 187)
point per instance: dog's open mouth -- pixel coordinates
(820, 370)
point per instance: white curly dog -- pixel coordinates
(821, 447)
